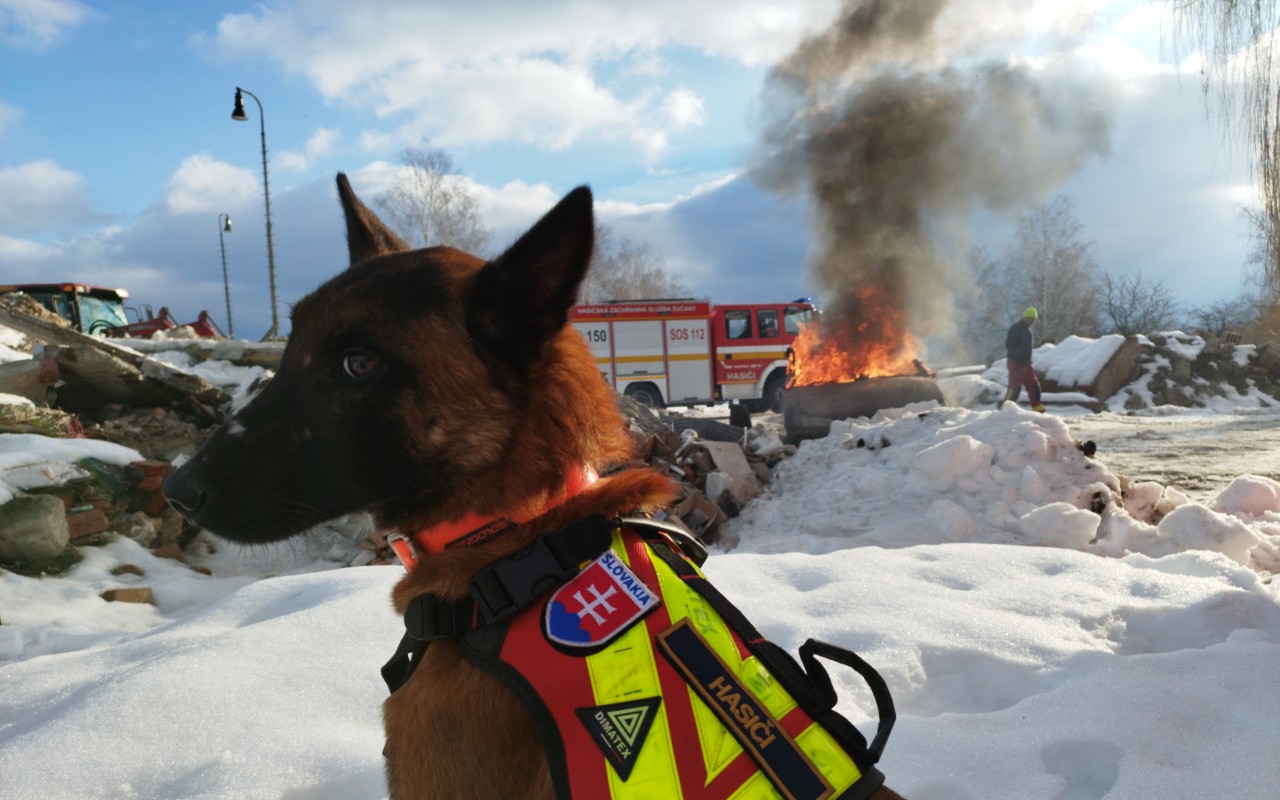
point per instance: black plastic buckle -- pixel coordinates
(505, 587)
(428, 619)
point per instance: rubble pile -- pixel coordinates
(719, 466)
(81, 386)
(71, 387)
(59, 508)
(1188, 371)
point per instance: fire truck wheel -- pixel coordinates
(774, 388)
(646, 394)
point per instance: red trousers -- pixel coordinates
(1021, 375)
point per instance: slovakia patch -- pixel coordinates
(597, 605)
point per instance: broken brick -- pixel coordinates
(129, 594)
(86, 522)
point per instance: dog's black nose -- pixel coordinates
(183, 493)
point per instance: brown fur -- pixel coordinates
(480, 399)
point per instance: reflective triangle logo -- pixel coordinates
(620, 729)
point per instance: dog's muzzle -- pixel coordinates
(184, 494)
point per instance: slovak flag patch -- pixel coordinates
(597, 605)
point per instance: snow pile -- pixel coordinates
(237, 381)
(912, 476)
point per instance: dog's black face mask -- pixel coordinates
(403, 378)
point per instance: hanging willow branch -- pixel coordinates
(1237, 40)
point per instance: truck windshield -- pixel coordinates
(97, 314)
(794, 317)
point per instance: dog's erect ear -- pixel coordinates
(367, 236)
(522, 298)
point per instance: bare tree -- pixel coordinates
(1222, 316)
(1240, 76)
(430, 204)
(980, 307)
(1133, 304)
(1263, 220)
(626, 270)
(1051, 266)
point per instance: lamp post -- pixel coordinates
(239, 115)
(224, 226)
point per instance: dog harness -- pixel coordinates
(643, 680)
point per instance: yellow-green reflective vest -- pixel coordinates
(685, 700)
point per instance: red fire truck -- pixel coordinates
(688, 352)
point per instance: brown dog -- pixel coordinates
(426, 387)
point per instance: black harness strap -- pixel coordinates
(510, 585)
(497, 593)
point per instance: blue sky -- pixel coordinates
(118, 153)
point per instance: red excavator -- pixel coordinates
(99, 311)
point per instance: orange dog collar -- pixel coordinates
(471, 529)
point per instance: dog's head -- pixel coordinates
(418, 385)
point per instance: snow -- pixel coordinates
(1044, 634)
(235, 380)
(1075, 360)
(10, 345)
(30, 460)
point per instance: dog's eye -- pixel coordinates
(358, 365)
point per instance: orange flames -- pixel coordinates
(872, 343)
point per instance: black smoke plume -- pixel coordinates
(898, 130)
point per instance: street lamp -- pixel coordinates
(238, 114)
(224, 226)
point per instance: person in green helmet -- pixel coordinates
(1017, 345)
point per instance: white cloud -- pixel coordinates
(526, 72)
(8, 116)
(41, 195)
(684, 109)
(203, 185)
(375, 142)
(320, 144)
(36, 24)
(14, 251)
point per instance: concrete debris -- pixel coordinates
(25, 305)
(33, 529)
(720, 467)
(17, 418)
(1118, 371)
(96, 371)
(1190, 372)
(32, 379)
(159, 434)
(236, 351)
